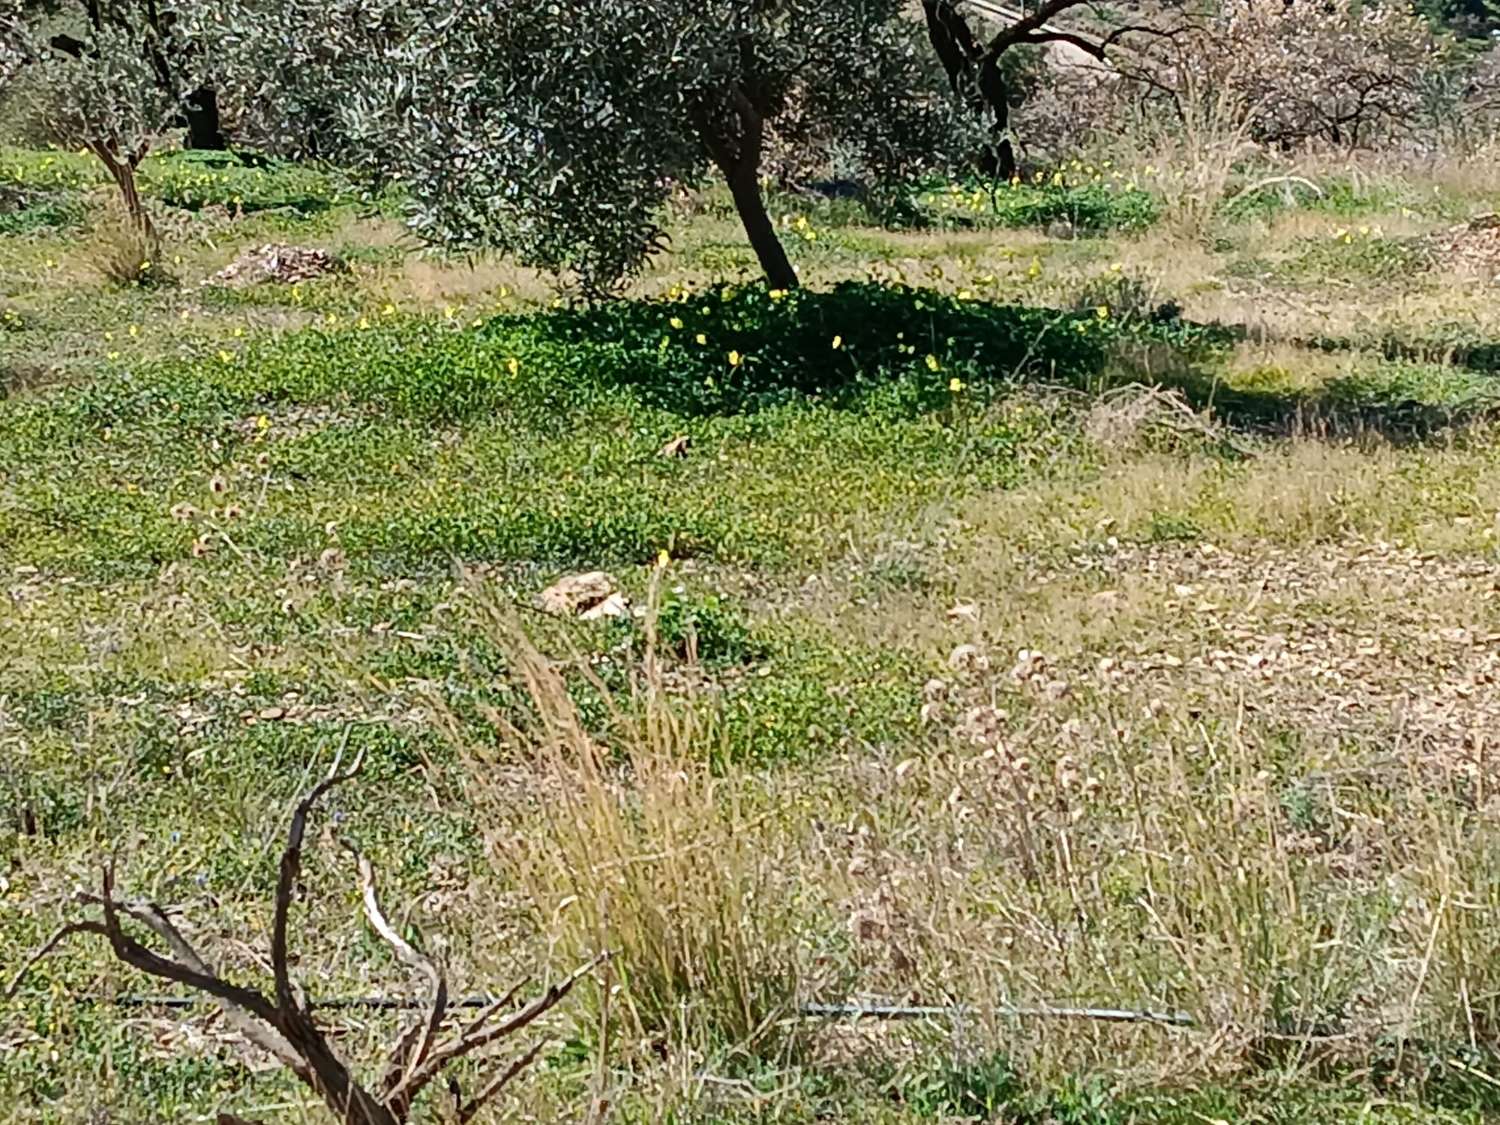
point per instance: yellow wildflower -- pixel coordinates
(735, 359)
(701, 339)
(933, 364)
(838, 342)
(955, 385)
(675, 322)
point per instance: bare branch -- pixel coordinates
(286, 1028)
(1033, 22)
(291, 866)
(395, 1063)
(133, 953)
(421, 1047)
(254, 1026)
(484, 1017)
(482, 1037)
(62, 934)
(498, 1083)
(1040, 38)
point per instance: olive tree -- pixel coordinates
(108, 76)
(557, 130)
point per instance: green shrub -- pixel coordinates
(1392, 388)
(706, 627)
(745, 348)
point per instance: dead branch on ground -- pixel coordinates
(283, 1025)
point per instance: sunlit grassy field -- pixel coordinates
(1056, 604)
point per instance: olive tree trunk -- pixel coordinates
(201, 111)
(738, 158)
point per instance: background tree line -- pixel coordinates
(557, 132)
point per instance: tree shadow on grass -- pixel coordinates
(1397, 401)
(736, 350)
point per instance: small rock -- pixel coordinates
(576, 594)
(271, 714)
(677, 447)
(969, 660)
(935, 690)
(964, 611)
(616, 605)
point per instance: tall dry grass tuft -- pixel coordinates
(123, 250)
(637, 846)
(1199, 156)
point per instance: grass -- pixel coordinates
(1031, 619)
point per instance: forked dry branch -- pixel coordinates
(283, 1025)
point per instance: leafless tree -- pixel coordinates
(973, 63)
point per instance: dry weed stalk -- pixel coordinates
(283, 1025)
(124, 250)
(651, 852)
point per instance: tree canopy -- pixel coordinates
(556, 131)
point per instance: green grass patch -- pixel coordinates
(811, 416)
(194, 179)
(1092, 206)
(1354, 256)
